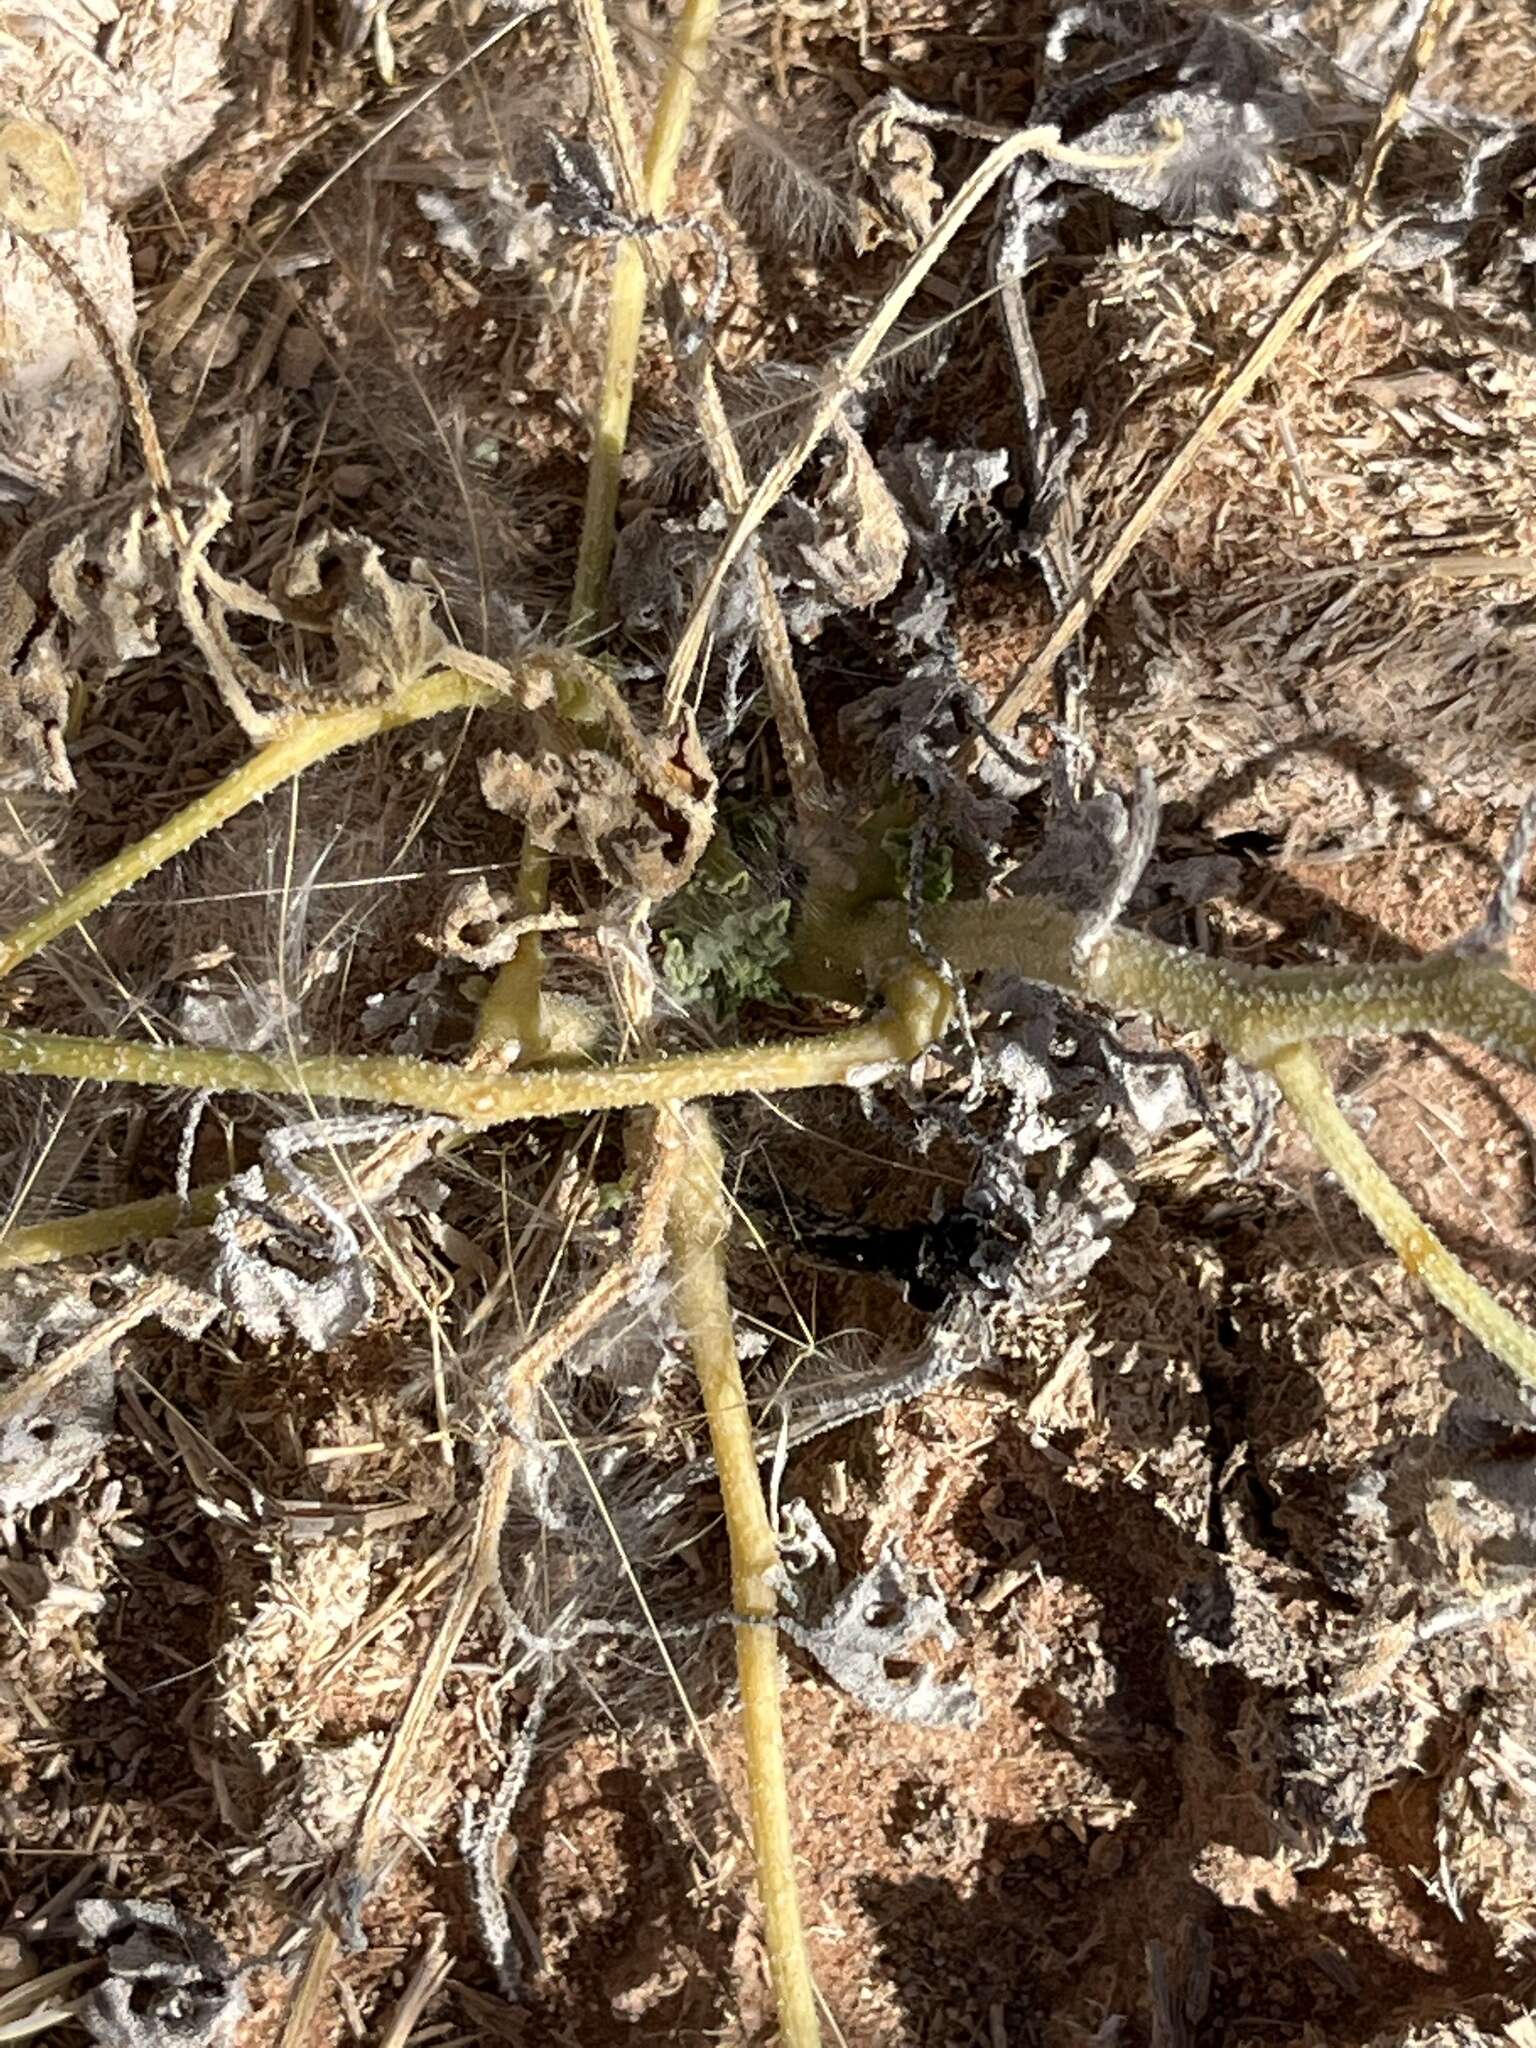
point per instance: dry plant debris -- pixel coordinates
(1061, 685)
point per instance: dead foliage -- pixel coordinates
(1153, 1566)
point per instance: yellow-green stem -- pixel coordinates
(698, 1230)
(311, 738)
(626, 312)
(837, 1058)
(102, 1230)
(511, 1011)
(1305, 1087)
(1253, 1011)
(510, 1028)
(610, 432)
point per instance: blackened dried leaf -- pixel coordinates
(170, 1982)
(581, 192)
(935, 485)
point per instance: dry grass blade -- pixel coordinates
(1031, 688)
(844, 379)
(432, 1971)
(363, 1858)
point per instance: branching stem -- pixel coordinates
(312, 738)
(1263, 1015)
(836, 1058)
(511, 1018)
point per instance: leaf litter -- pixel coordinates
(1209, 1665)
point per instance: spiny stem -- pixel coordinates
(626, 310)
(102, 1230)
(511, 1021)
(802, 765)
(1253, 1011)
(698, 1230)
(510, 1018)
(1305, 1087)
(1262, 1015)
(837, 1058)
(311, 739)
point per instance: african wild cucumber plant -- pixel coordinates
(1273, 1020)
(897, 970)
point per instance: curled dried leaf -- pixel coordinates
(897, 157)
(41, 191)
(586, 801)
(640, 810)
(112, 583)
(383, 630)
(850, 544)
(368, 633)
(485, 926)
(34, 715)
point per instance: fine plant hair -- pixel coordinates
(790, 183)
(897, 970)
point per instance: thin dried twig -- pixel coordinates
(844, 379)
(1335, 260)
(802, 764)
(525, 1375)
(359, 1865)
